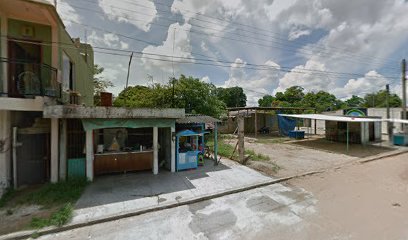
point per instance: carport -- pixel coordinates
(363, 123)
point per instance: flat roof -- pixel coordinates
(82, 112)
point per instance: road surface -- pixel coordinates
(361, 201)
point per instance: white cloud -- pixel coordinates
(255, 84)
(107, 40)
(297, 33)
(206, 79)
(140, 14)
(204, 46)
(301, 76)
(371, 82)
(68, 13)
(180, 42)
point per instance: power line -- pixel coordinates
(342, 51)
(189, 60)
(304, 51)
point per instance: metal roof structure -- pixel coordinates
(333, 118)
(343, 118)
(197, 118)
(268, 108)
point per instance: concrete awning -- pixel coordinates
(82, 112)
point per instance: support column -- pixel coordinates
(173, 149)
(89, 155)
(54, 150)
(364, 133)
(216, 143)
(5, 151)
(63, 150)
(4, 47)
(155, 150)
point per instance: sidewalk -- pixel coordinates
(104, 200)
(199, 185)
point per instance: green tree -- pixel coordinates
(266, 101)
(379, 99)
(197, 96)
(189, 93)
(292, 96)
(100, 84)
(354, 101)
(232, 97)
(321, 101)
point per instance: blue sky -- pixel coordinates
(262, 46)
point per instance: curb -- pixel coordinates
(381, 157)
(51, 230)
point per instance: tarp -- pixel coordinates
(332, 118)
(285, 124)
(90, 124)
(187, 133)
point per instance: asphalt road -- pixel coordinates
(360, 201)
(245, 215)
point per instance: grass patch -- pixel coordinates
(58, 218)
(272, 140)
(8, 194)
(226, 150)
(56, 199)
(256, 156)
(54, 194)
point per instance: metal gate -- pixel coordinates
(31, 154)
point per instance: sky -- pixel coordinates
(264, 46)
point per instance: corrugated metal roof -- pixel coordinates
(197, 118)
(332, 118)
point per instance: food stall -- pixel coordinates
(123, 150)
(187, 149)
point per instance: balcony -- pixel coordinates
(28, 79)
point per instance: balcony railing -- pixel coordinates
(29, 79)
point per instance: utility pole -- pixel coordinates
(241, 149)
(389, 124)
(127, 78)
(404, 93)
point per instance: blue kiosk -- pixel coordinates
(190, 142)
(188, 149)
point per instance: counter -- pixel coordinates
(111, 162)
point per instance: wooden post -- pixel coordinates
(173, 149)
(155, 150)
(256, 124)
(241, 147)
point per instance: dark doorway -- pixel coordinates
(33, 158)
(24, 69)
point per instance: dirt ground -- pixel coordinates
(359, 201)
(19, 217)
(314, 154)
